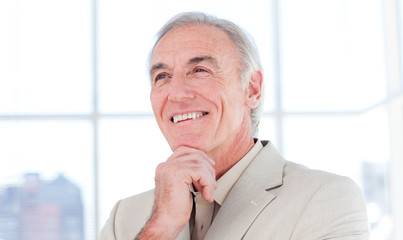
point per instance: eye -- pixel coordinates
(200, 70)
(160, 76)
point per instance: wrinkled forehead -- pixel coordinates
(193, 40)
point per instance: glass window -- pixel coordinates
(130, 150)
(46, 181)
(64, 149)
(45, 57)
(356, 146)
(334, 83)
(332, 55)
(126, 35)
(333, 142)
(268, 129)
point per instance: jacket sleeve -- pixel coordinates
(336, 211)
(108, 231)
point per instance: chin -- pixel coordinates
(192, 142)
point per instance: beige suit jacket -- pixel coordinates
(273, 199)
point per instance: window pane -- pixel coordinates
(356, 146)
(268, 129)
(46, 180)
(126, 35)
(130, 150)
(332, 54)
(45, 56)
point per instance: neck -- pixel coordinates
(233, 151)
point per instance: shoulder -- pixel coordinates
(318, 181)
(333, 206)
(294, 174)
(294, 170)
(139, 199)
(313, 204)
(128, 216)
(315, 185)
(139, 205)
(327, 204)
(271, 167)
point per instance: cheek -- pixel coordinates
(234, 96)
(225, 98)
(156, 102)
(235, 106)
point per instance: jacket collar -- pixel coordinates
(249, 196)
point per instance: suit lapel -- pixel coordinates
(249, 196)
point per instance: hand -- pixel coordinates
(173, 201)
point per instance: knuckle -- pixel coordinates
(181, 149)
(160, 168)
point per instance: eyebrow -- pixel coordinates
(156, 67)
(207, 58)
(194, 60)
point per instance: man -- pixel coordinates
(220, 182)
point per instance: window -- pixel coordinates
(77, 131)
(333, 75)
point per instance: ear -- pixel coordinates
(254, 89)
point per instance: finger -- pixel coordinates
(196, 163)
(197, 186)
(207, 193)
(206, 185)
(184, 151)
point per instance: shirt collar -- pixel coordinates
(227, 181)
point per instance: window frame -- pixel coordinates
(393, 103)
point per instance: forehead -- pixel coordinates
(186, 42)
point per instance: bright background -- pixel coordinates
(74, 94)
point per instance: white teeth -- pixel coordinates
(186, 116)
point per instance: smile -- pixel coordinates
(186, 116)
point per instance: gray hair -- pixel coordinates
(249, 57)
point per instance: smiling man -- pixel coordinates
(220, 182)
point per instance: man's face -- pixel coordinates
(197, 96)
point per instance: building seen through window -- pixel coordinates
(41, 209)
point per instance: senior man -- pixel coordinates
(220, 182)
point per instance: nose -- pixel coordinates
(180, 90)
